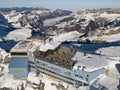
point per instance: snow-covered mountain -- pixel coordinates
(32, 17)
(95, 24)
(22, 9)
(5, 26)
(21, 23)
(92, 26)
(91, 22)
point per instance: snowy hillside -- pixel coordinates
(91, 23)
(32, 18)
(5, 26)
(19, 34)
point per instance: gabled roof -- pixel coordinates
(22, 46)
(49, 46)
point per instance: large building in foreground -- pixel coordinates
(53, 58)
(70, 65)
(66, 63)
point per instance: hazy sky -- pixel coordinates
(63, 4)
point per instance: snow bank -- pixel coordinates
(19, 34)
(13, 16)
(110, 51)
(3, 54)
(111, 38)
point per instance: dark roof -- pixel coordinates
(18, 62)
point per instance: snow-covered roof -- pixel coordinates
(58, 39)
(49, 46)
(89, 61)
(36, 44)
(22, 46)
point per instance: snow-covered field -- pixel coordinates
(50, 83)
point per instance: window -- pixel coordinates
(19, 53)
(87, 76)
(78, 76)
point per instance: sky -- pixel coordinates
(62, 4)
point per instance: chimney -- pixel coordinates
(83, 68)
(44, 40)
(85, 53)
(78, 68)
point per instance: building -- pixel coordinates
(66, 63)
(53, 58)
(19, 59)
(19, 67)
(91, 65)
(70, 65)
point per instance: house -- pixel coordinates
(19, 67)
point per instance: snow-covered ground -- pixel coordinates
(110, 51)
(107, 38)
(111, 81)
(109, 16)
(49, 83)
(19, 34)
(3, 54)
